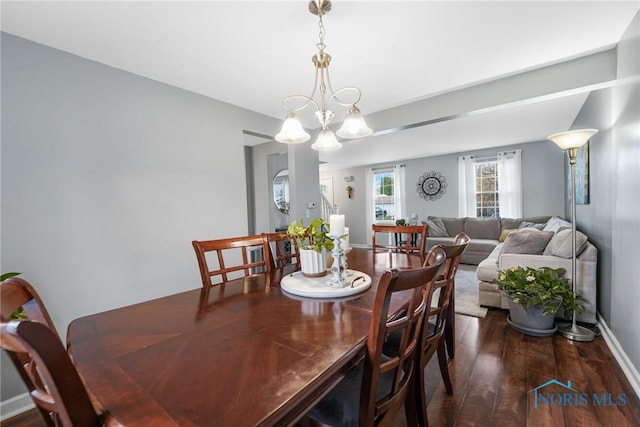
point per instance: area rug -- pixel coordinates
(467, 292)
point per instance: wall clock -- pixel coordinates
(431, 185)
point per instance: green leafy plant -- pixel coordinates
(19, 314)
(313, 237)
(544, 286)
(401, 221)
(6, 276)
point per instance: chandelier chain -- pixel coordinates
(321, 45)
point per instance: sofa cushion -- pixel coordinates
(454, 225)
(436, 228)
(510, 223)
(482, 228)
(529, 224)
(527, 241)
(487, 269)
(505, 232)
(543, 219)
(555, 224)
(560, 244)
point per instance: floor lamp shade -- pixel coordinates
(570, 141)
(572, 138)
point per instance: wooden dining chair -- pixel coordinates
(59, 391)
(19, 300)
(223, 260)
(454, 255)
(375, 390)
(437, 320)
(394, 242)
(282, 251)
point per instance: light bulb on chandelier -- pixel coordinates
(353, 126)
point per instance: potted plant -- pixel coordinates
(535, 296)
(313, 243)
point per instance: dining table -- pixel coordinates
(243, 353)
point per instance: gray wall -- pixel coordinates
(107, 177)
(543, 185)
(612, 219)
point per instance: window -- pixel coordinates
(490, 187)
(385, 197)
(486, 184)
(384, 194)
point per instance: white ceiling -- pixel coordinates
(252, 54)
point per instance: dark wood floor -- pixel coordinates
(496, 368)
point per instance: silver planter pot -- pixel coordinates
(530, 321)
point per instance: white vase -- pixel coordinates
(312, 263)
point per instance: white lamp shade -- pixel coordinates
(326, 141)
(572, 138)
(354, 125)
(292, 131)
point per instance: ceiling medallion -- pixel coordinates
(431, 185)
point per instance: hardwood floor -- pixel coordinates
(495, 371)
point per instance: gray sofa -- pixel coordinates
(487, 250)
(484, 233)
(555, 254)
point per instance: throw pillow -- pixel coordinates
(505, 232)
(560, 244)
(527, 224)
(436, 228)
(555, 224)
(529, 241)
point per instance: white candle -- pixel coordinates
(336, 225)
(345, 239)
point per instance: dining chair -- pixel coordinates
(223, 260)
(437, 320)
(59, 390)
(414, 243)
(454, 255)
(375, 390)
(19, 300)
(282, 252)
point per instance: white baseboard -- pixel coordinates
(621, 357)
(15, 406)
(360, 245)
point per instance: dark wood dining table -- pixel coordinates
(242, 354)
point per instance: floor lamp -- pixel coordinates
(570, 141)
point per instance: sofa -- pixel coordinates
(553, 250)
(500, 243)
(485, 233)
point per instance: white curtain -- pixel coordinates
(510, 183)
(398, 190)
(466, 186)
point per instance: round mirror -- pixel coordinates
(281, 191)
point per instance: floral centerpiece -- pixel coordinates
(313, 243)
(545, 289)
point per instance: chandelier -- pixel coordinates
(353, 125)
